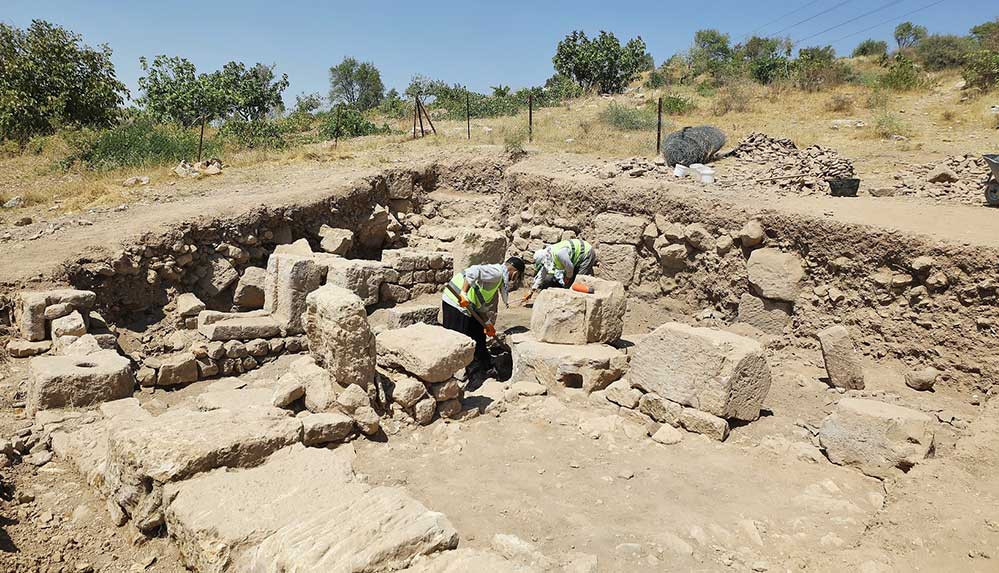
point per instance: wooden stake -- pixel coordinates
(336, 128)
(659, 127)
(430, 121)
(530, 118)
(201, 141)
(416, 110)
(419, 106)
(468, 116)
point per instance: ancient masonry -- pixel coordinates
(238, 300)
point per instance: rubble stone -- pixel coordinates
(841, 358)
(751, 234)
(424, 410)
(775, 275)
(323, 428)
(23, 348)
(431, 353)
(590, 366)
(406, 390)
(180, 368)
(352, 398)
(875, 437)
(340, 338)
(667, 435)
(289, 389)
(922, 380)
(78, 382)
(70, 325)
(299, 248)
(622, 394)
(619, 229)
(249, 293)
(189, 305)
(289, 281)
(220, 276)
(699, 237)
(335, 241)
(476, 247)
(660, 409)
(412, 313)
(239, 328)
(694, 420)
(769, 316)
(565, 316)
(717, 372)
(367, 420)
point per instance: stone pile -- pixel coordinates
(781, 160)
(958, 179)
(56, 318)
(417, 368)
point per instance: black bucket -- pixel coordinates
(843, 187)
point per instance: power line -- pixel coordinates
(810, 18)
(778, 19)
(851, 20)
(888, 21)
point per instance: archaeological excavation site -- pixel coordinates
(259, 379)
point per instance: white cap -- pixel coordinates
(539, 257)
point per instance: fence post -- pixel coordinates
(336, 128)
(201, 141)
(659, 127)
(416, 110)
(430, 121)
(468, 117)
(530, 118)
(419, 106)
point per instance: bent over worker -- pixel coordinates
(560, 264)
(477, 288)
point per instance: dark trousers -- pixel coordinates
(457, 321)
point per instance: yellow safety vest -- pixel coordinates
(578, 248)
(477, 296)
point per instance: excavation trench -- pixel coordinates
(212, 314)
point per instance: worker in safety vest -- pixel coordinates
(560, 264)
(478, 287)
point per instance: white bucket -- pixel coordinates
(681, 170)
(705, 174)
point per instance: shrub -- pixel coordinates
(629, 118)
(260, 134)
(817, 69)
(138, 143)
(871, 47)
(513, 141)
(656, 80)
(348, 123)
(981, 70)
(877, 99)
(887, 125)
(394, 106)
(839, 103)
(705, 89)
(941, 52)
(902, 75)
(731, 97)
(676, 105)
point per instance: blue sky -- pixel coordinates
(475, 43)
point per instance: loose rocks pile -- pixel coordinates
(801, 171)
(957, 179)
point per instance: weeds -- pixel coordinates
(732, 97)
(513, 141)
(629, 118)
(888, 125)
(140, 143)
(839, 103)
(674, 104)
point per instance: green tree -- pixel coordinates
(49, 78)
(940, 52)
(356, 84)
(251, 93)
(987, 35)
(500, 90)
(600, 63)
(871, 47)
(307, 103)
(908, 34)
(710, 53)
(766, 59)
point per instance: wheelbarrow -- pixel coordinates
(992, 186)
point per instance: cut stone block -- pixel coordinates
(31, 309)
(23, 348)
(189, 305)
(769, 316)
(371, 233)
(239, 328)
(70, 325)
(78, 381)
(617, 228)
(622, 394)
(412, 313)
(340, 337)
(565, 316)
(289, 281)
(404, 389)
(717, 372)
(289, 389)
(335, 241)
(299, 248)
(180, 368)
(775, 275)
(249, 293)
(617, 262)
(590, 366)
(841, 358)
(699, 422)
(877, 438)
(660, 409)
(221, 275)
(179, 444)
(234, 399)
(464, 560)
(431, 353)
(477, 247)
(320, 391)
(362, 277)
(325, 428)
(216, 516)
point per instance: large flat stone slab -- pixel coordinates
(714, 371)
(78, 381)
(587, 366)
(565, 316)
(431, 353)
(340, 338)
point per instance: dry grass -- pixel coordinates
(576, 128)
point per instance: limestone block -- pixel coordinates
(431, 353)
(404, 389)
(32, 316)
(23, 348)
(660, 409)
(239, 327)
(70, 325)
(249, 293)
(751, 233)
(234, 399)
(717, 372)
(372, 232)
(621, 229)
(189, 305)
(770, 316)
(78, 381)
(289, 281)
(877, 438)
(180, 368)
(412, 313)
(464, 560)
(299, 248)
(33, 304)
(775, 275)
(367, 420)
(424, 410)
(335, 241)
(566, 316)
(476, 247)
(622, 394)
(326, 427)
(588, 366)
(352, 398)
(361, 277)
(841, 358)
(289, 389)
(339, 336)
(617, 262)
(221, 275)
(694, 420)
